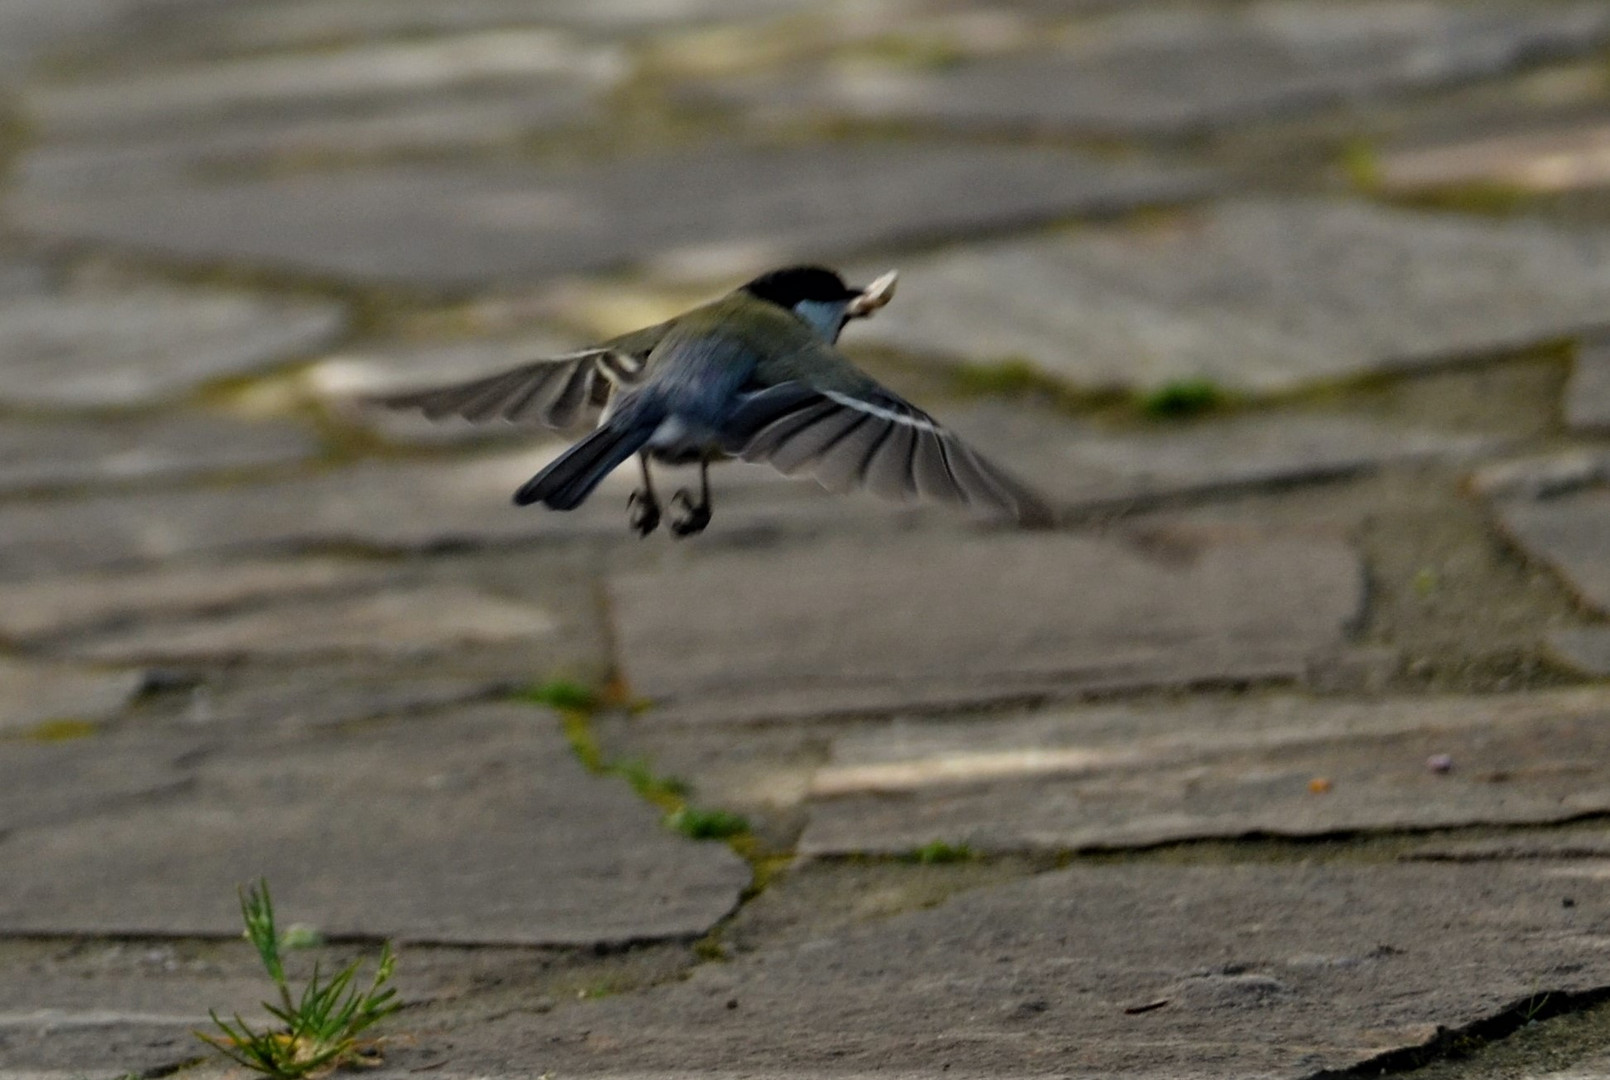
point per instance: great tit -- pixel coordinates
(753, 375)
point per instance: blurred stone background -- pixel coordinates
(1287, 752)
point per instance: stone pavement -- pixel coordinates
(1285, 753)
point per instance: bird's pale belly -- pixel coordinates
(677, 442)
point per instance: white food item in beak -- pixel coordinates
(874, 296)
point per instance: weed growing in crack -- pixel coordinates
(322, 1025)
(1181, 398)
(561, 694)
(575, 705)
(939, 853)
(707, 824)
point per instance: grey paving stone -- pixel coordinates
(432, 124)
(386, 506)
(136, 347)
(1178, 71)
(40, 693)
(479, 827)
(307, 24)
(363, 99)
(1562, 158)
(280, 83)
(1570, 534)
(1591, 842)
(1124, 775)
(1592, 1067)
(19, 278)
(846, 626)
(1081, 467)
(399, 622)
(1584, 649)
(479, 631)
(720, 210)
(1587, 394)
(37, 455)
(325, 694)
(40, 608)
(84, 1008)
(1541, 476)
(1256, 296)
(32, 29)
(395, 507)
(50, 781)
(1266, 970)
(52, 1047)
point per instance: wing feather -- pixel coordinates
(844, 469)
(881, 442)
(888, 469)
(556, 391)
(774, 434)
(811, 442)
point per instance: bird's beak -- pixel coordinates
(874, 296)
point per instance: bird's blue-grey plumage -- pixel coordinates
(755, 375)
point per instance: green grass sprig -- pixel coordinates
(322, 1025)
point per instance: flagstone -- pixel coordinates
(476, 827)
(1253, 296)
(110, 348)
(1277, 969)
(33, 694)
(1122, 775)
(1181, 71)
(38, 454)
(846, 627)
(712, 212)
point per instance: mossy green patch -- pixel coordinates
(938, 853)
(1182, 398)
(702, 824)
(562, 694)
(1361, 164)
(666, 792)
(575, 705)
(61, 730)
(1487, 197)
(1010, 377)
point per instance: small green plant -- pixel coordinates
(707, 824)
(665, 791)
(1182, 397)
(321, 1026)
(562, 694)
(938, 852)
(1361, 164)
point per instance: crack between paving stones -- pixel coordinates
(1454, 1043)
(659, 791)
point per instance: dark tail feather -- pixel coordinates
(571, 477)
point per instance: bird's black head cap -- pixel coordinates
(793, 284)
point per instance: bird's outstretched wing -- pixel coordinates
(871, 438)
(558, 391)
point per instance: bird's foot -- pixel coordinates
(643, 512)
(687, 517)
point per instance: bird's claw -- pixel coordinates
(642, 513)
(688, 518)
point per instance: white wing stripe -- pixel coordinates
(881, 413)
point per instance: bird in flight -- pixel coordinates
(754, 375)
